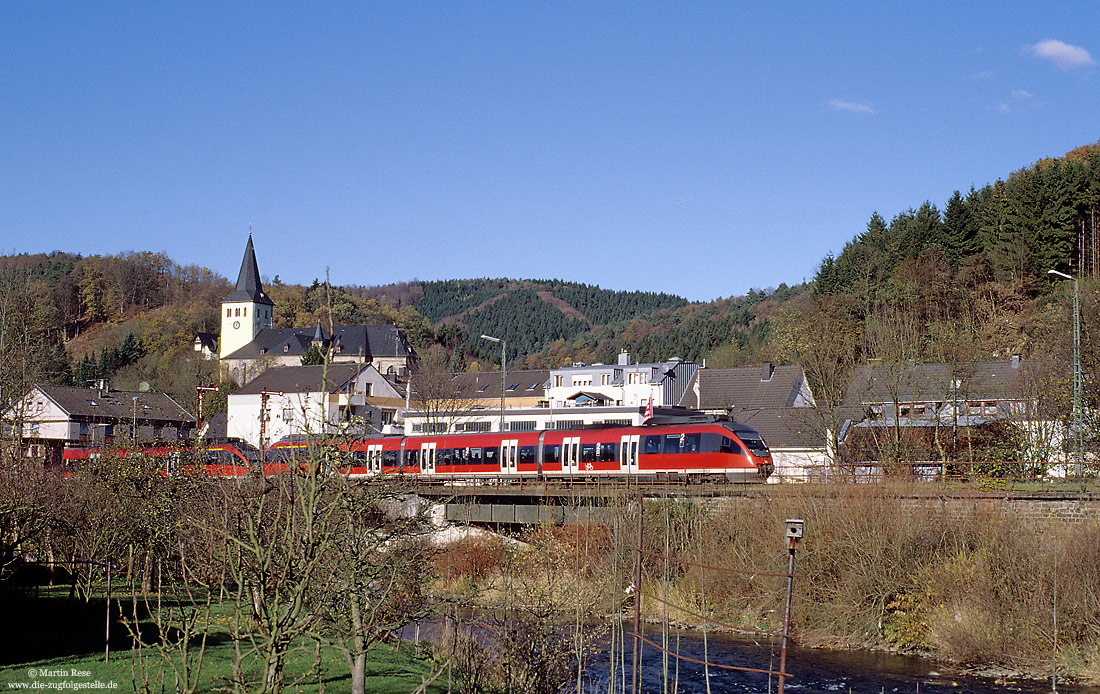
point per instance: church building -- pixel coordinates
(248, 344)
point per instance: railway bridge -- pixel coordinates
(532, 502)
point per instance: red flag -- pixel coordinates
(648, 410)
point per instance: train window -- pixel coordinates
(491, 456)
(412, 457)
(551, 453)
(731, 446)
(527, 454)
(588, 452)
(690, 443)
(672, 443)
(389, 458)
(475, 456)
(444, 456)
(651, 445)
(608, 451)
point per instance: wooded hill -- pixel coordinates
(969, 282)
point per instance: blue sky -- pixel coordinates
(696, 148)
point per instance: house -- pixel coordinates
(249, 344)
(774, 400)
(289, 401)
(49, 418)
(564, 398)
(467, 402)
(623, 384)
(937, 410)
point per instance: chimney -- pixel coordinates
(624, 358)
(1015, 361)
(766, 371)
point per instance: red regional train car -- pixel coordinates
(711, 451)
(212, 460)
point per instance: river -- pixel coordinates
(810, 670)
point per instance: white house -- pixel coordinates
(774, 400)
(294, 401)
(48, 418)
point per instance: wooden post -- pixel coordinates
(794, 540)
(107, 639)
(637, 602)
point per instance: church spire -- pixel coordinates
(248, 281)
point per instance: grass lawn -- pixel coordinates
(61, 640)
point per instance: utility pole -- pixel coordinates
(264, 395)
(503, 372)
(202, 391)
(1078, 433)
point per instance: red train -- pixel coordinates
(213, 460)
(715, 451)
(704, 451)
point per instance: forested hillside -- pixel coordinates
(967, 282)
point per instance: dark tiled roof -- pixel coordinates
(208, 340)
(743, 388)
(248, 280)
(116, 404)
(486, 384)
(368, 341)
(939, 382)
(303, 379)
(785, 427)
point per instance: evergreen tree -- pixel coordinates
(312, 356)
(961, 227)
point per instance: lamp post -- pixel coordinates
(1078, 434)
(503, 372)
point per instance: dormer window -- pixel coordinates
(286, 348)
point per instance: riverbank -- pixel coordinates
(981, 592)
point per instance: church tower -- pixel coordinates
(246, 311)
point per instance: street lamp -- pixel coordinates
(1078, 434)
(503, 372)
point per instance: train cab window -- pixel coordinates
(527, 454)
(651, 445)
(731, 446)
(608, 452)
(551, 453)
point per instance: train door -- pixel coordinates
(427, 457)
(374, 457)
(628, 453)
(570, 454)
(508, 449)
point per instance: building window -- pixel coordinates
(286, 348)
(228, 313)
(288, 414)
(387, 417)
(557, 381)
(527, 425)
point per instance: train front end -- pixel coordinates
(754, 448)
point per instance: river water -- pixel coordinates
(809, 670)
